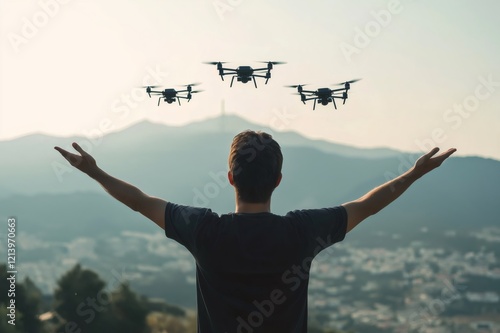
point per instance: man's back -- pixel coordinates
(253, 269)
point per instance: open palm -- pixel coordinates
(83, 161)
(429, 162)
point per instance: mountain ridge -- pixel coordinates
(188, 166)
(229, 123)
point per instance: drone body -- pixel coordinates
(324, 95)
(171, 95)
(244, 74)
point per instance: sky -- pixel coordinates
(430, 71)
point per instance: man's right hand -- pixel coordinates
(151, 207)
(83, 162)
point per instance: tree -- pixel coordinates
(27, 304)
(128, 311)
(81, 300)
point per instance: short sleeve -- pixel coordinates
(181, 223)
(321, 227)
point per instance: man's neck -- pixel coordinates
(246, 207)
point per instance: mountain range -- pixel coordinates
(188, 165)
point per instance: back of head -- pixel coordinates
(255, 160)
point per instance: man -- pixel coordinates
(252, 266)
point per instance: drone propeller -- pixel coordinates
(148, 89)
(196, 91)
(191, 84)
(296, 85)
(273, 62)
(351, 81)
(213, 62)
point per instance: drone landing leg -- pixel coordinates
(179, 101)
(314, 105)
(335, 105)
(159, 99)
(232, 79)
(254, 82)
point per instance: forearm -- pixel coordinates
(378, 198)
(383, 195)
(118, 189)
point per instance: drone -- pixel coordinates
(246, 73)
(324, 95)
(170, 95)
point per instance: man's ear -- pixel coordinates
(279, 180)
(230, 177)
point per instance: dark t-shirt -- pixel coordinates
(252, 270)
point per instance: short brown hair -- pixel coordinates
(255, 160)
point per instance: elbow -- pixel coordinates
(372, 210)
(134, 205)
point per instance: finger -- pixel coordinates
(448, 153)
(79, 149)
(63, 152)
(70, 157)
(431, 153)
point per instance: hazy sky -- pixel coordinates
(430, 69)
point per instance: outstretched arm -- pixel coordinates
(151, 207)
(378, 198)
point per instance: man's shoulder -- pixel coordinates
(188, 212)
